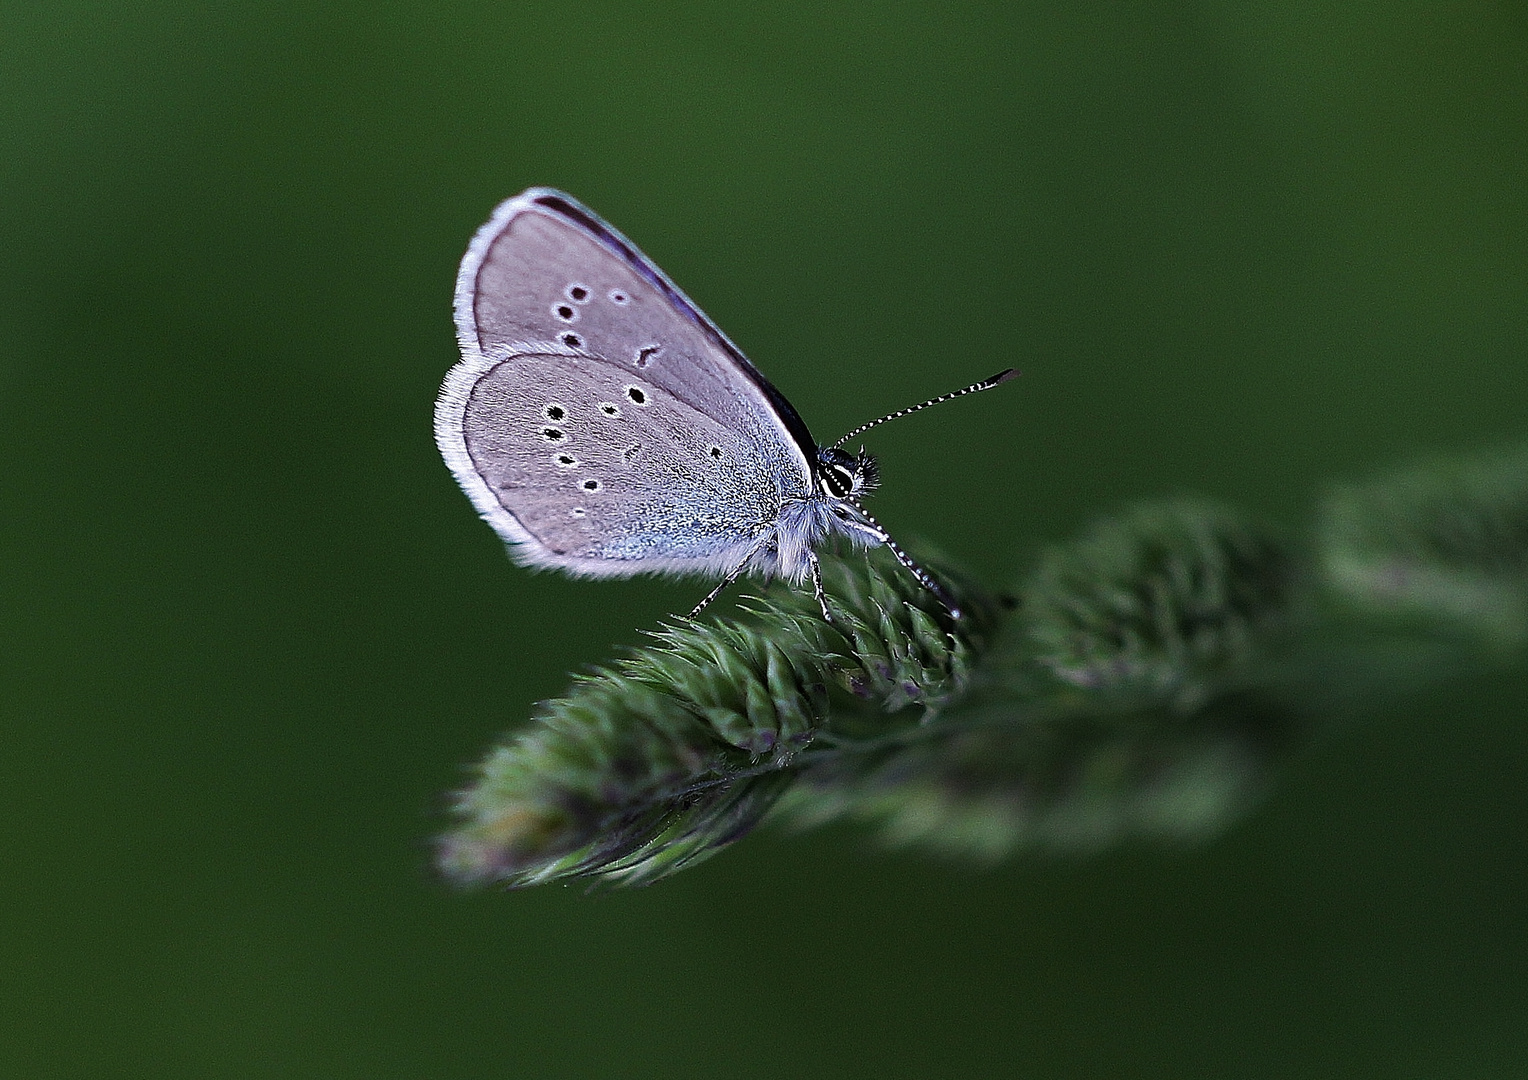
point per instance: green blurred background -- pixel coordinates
(252, 631)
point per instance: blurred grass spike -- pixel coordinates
(1166, 602)
(1152, 673)
(659, 761)
(1443, 542)
(1048, 781)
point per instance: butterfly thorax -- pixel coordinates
(803, 525)
(830, 509)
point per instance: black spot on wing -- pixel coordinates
(565, 207)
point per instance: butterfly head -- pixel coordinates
(843, 475)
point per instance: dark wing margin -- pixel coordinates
(564, 205)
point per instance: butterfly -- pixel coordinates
(605, 427)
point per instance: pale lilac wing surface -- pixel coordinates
(598, 421)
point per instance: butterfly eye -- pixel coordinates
(837, 481)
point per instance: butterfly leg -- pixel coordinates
(925, 579)
(732, 575)
(817, 590)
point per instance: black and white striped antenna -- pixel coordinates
(975, 388)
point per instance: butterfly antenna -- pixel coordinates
(975, 388)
